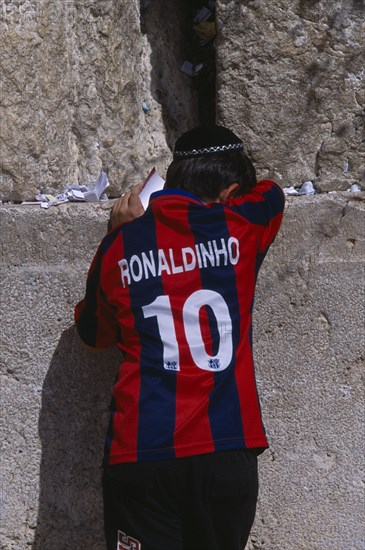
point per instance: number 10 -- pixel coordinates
(161, 308)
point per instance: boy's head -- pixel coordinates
(208, 160)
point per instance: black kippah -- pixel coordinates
(206, 140)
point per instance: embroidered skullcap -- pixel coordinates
(206, 140)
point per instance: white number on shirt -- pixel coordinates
(161, 308)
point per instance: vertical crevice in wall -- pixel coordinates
(181, 35)
(200, 53)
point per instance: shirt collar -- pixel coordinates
(175, 193)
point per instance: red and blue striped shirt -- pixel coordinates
(174, 290)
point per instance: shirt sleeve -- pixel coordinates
(94, 317)
(262, 207)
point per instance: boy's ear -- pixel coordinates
(228, 192)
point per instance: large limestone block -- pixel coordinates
(291, 81)
(75, 78)
(51, 440)
(308, 344)
(308, 324)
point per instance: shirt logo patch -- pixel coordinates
(127, 543)
(214, 363)
(172, 365)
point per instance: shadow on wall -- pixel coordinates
(72, 425)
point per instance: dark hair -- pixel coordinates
(206, 176)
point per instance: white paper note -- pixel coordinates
(153, 183)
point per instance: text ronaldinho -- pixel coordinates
(153, 263)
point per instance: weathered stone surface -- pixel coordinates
(75, 76)
(51, 446)
(291, 81)
(309, 352)
(308, 348)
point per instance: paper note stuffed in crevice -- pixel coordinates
(78, 193)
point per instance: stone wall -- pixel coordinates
(79, 74)
(76, 74)
(308, 343)
(291, 81)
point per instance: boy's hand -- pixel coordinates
(126, 208)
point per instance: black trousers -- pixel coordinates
(203, 502)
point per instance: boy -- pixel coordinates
(173, 287)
